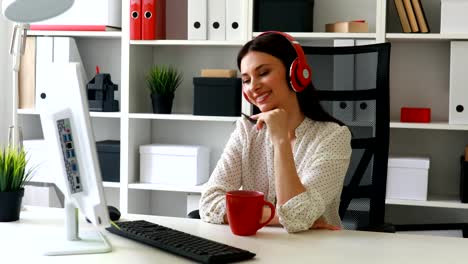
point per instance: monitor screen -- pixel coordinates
(67, 131)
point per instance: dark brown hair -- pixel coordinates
(278, 46)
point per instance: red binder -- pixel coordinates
(135, 19)
(153, 24)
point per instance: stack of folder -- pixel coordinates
(147, 19)
(412, 16)
(217, 19)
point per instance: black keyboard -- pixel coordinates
(177, 242)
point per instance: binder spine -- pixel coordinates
(135, 19)
(197, 19)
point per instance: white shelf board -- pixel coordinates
(166, 187)
(111, 184)
(27, 112)
(92, 114)
(105, 114)
(183, 42)
(82, 34)
(185, 117)
(327, 35)
(424, 36)
(433, 201)
(432, 125)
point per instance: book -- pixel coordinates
(27, 76)
(219, 73)
(420, 16)
(411, 16)
(402, 14)
(357, 26)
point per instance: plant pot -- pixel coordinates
(10, 205)
(162, 104)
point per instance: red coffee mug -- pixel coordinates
(244, 211)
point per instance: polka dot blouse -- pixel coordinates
(322, 152)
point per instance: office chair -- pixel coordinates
(353, 86)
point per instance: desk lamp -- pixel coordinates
(23, 12)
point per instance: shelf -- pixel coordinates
(81, 34)
(27, 112)
(165, 42)
(425, 37)
(111, 184)
(105, 114)
(185, 117)
(92, 114)
(433, 201)
(166, 187)
(327, 35)
(432, 125)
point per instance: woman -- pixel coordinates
(296, 154)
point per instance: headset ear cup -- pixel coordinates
(295, 85)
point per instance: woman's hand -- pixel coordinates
(277, 122)
(322, 224)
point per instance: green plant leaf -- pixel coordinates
(13, 173)
(163, 79)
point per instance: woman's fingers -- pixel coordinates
(322, 224)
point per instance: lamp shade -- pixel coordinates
(28, 11)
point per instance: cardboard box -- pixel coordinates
(217, 96)
(174, 164)
(348, 26)
(453, 16)
(407, 178)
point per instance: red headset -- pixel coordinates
(300, 73)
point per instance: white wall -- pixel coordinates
(5, 79)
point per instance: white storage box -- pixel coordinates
(174, 164)
(407, 178)
(454, 16)
(85, 15)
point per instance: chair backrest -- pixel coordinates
(353, 86)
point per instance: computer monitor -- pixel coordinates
(67, 131)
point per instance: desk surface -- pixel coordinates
(26, 239)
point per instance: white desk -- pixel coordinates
(24, 240)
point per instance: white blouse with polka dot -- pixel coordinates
(322, 152)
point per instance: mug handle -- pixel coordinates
(272, 211)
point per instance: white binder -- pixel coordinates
(216, 19)
(66, 50)
(236, 19)
(365, 78)
(44, 59)
(458, 95)
(343, 79)
(197, 19)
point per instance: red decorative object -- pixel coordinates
(416, 115)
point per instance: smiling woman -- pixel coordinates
(5, 79)
(295, 154)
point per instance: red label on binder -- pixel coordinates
(135, 19)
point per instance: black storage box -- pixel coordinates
(284, 15)
(463, 180)
(217, 96)
(109, 159)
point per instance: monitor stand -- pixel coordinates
(90, 242)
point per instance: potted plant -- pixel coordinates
(162, 82)
(13, 177)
